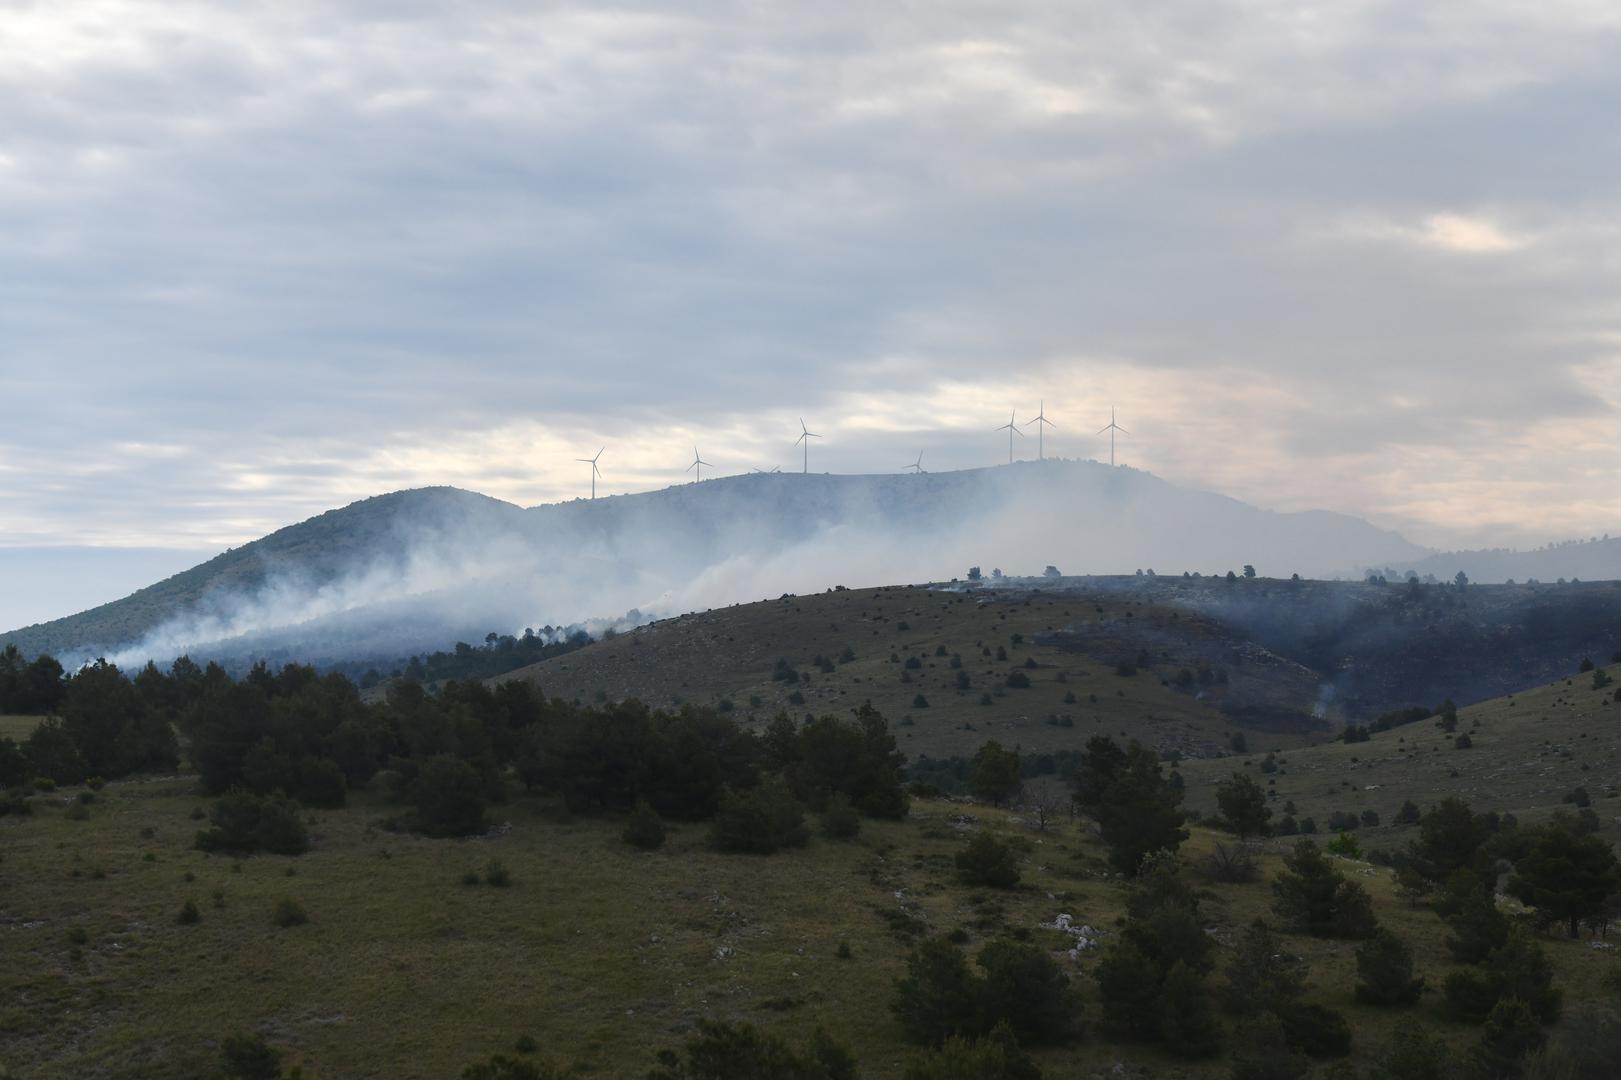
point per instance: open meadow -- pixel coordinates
(601, 953)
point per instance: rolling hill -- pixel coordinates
(417, 570)
(1291, 661)
(1526, 752)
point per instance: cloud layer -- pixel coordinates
(262, 262)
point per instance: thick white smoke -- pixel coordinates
(430, 568)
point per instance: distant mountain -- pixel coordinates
(415, 570)
(1585, 560)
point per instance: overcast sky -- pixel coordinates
(257, 261)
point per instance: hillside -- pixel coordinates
(1294, 660)
(311, 558)
(1528, 751)
(890, 645)
(418, 570)
(403, 970)
(1596, 559)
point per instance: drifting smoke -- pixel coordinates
(415, 571)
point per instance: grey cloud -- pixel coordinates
(315, 231)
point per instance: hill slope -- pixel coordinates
(1598, 559)
(414, 570)
(1527, 752)
(963, 654)
(1290, 660)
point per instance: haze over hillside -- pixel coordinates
(419, 569)
(1594, 559)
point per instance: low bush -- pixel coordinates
(988, 861)
(840, 820)
(645, 829)
(249, 1057)
(721, 1050)
(996, 1056)
(759, 821)
(289, 912)
(244, 822)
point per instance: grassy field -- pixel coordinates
(729, 654)
(1527, 752)
(601, 953)
(18, 727)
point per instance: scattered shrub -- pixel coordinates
(996, 1056)
(721, 1050)
(249, 1057)
(244, 822)
(1312, 896)
(1345, 845)
(1316, 1031)
(289, 912)
(189, 914)
(759, 821)
(645, 829)
(988, 861)
(840, 820)
(1384, 967)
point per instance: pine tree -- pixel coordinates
(1384, 967)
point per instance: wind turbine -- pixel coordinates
(1111, 429)
(1040, 421)
(1012, 429)
(766, 472)
(698, 464)
(595, 472)
(916, 466)
(805, 436)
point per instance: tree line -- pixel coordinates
(271, 741)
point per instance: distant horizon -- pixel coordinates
(31, 579)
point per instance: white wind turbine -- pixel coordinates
(805, 436)
(595, 472)
(1111, 429)
(1040, 421)
(697, 465)
(916, 466)
(1012, 429)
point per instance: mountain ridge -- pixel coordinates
(472, 563)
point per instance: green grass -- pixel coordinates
(729, 654)
(604, 953)
(1528, 751)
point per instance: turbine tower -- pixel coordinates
(697, 465)
(916, 466)
(595, 472)
(1040, 421)
(805, 436)
(1012, 429)
(1111, 429)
